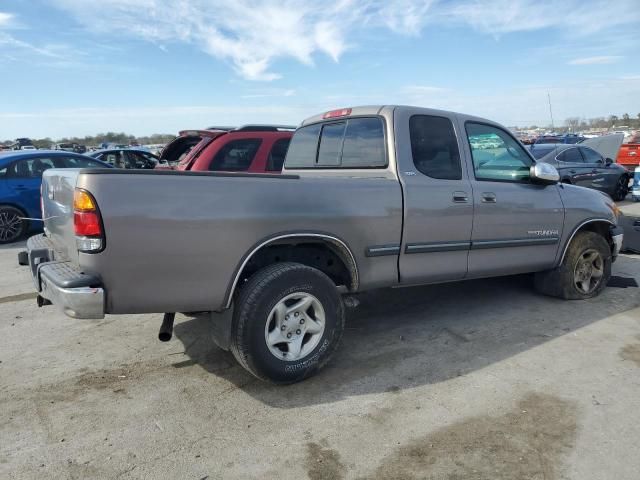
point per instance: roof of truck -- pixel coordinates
(379, 110)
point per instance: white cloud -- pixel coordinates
(6, 19)
(600, 60)
(253, 34)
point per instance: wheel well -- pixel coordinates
(334, 260)
(17, 207)
(600, 227)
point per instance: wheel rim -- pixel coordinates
(10, 226)
(589, 271)
(621, 190)
(294, 326)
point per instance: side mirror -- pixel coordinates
(544, 174)
(608, 161)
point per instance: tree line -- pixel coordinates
(109, 137)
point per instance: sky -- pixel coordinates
(80, 67)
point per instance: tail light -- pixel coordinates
(87, 223)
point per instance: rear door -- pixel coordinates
(23, 179)
(597, 175)
(571, 165)
(438, 201)
(517, 225)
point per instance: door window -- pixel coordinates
(140, 160)
(277, 154)
(236, 156)
(31, 168)
(571, 155)
(591, 156)
(115, 159)
(497, 156)
(434, 147)
(73, 162)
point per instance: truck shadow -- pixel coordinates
(402, 338)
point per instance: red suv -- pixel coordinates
(251, 148)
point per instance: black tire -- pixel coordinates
(564, 281)
(12, 228)
(253, 307)
(622, 189)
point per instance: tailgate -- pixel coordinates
(58, 186)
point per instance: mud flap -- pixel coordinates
(221, 328)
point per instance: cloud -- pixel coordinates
(601, 60)
(252, 34)
(6, 19)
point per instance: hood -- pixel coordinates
(607, 145)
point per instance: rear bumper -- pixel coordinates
(76, 293)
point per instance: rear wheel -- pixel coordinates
(12, 227)
(287, 323)
(622, 189)
(585, 270)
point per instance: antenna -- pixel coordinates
(550, 111)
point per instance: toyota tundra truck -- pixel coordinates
(370, 197)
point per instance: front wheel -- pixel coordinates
(622, 189)
(287, 323)
(585, 270)
(12, 227)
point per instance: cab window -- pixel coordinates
(497, 156)
(434, 147)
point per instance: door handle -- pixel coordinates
(595, 170)
(460, 197)
(20, 187)
(572, 171)
(488, 197)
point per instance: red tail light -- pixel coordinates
(87, 222)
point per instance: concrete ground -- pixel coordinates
(475, 380)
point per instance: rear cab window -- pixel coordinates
(357, 142)
(277, 154)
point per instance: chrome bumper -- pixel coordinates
(77, 294)
(617, 236)
(79, 302)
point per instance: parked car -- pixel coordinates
(20, 179)
(370, 197)
(584, 166)
(127, 158)
(635, 186)
(547, 139)
(253, 148)
(629, 154)
(23, 144)
(247, 148)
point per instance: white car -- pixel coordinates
(28, 147)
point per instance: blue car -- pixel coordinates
(20, 179)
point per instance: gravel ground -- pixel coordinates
(474, 380)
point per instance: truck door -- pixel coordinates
(438, 202)
(517, 225)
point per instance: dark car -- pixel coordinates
(127, 158)
(20, 179)
(582, 165)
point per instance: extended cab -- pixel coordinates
(377, 196)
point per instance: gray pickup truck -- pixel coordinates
(370, 197)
